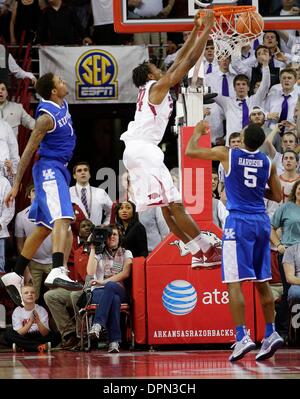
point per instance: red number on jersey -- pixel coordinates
(141, 95)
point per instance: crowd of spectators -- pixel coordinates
(259, 85)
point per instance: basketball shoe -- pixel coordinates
(270, 346)
(212, 257)
(12, 282)
(241, 348)
(58, 278)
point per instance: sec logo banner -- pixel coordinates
(96, 72)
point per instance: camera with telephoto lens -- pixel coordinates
(99, 236)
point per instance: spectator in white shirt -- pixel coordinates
(30, 330)
(285, 100)
(13, 113)
(8, 64)
(221, 80)
(236, 110)
(210, 64)
(103, 26)
(93, 201)
(271, 41)
(9, 151)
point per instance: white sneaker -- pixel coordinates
(95, 330)
(241, 348)
(113, 347)
(12, 282)
(58, 278)
(270, 346)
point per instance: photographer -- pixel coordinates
(109, 268)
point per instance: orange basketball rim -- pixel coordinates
(243, 19)
(235, 27)
(232, 10)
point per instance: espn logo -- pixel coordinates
(97, 92)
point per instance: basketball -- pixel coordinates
(250, 24)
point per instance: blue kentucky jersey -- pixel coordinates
(246, 180)
(59, 142)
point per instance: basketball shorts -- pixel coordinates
(150, 179)
(52, 196)
(246, 251)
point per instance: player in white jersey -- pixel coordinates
(151, 182)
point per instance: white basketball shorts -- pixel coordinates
(150, 179)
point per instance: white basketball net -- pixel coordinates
(227, 40)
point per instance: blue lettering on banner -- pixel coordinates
(96, 72)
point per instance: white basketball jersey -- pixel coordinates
(150, 121)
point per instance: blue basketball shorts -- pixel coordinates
(52, 196)
(246, 251)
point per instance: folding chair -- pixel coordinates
(87, 313)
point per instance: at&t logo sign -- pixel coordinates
(179, 297)
(96, 72)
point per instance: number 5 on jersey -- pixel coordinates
(250, 177)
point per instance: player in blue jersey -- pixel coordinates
(249, 178)
(53, 136)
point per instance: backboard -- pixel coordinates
(128, 19)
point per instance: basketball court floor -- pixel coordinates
(158, 364)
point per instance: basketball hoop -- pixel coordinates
(234, 28)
